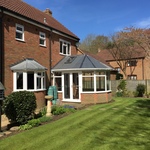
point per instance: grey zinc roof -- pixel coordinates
(80, 62)
(27, 65)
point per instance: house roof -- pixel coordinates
(28, 64)
(21, 8)
(80, 62)
(106, 55)
(98, 57)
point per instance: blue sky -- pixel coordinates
(99, 17)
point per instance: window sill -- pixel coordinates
(43, 46)
(72, 100)
(96, 92)
(39, 90)
(65, 54)
(20, 40)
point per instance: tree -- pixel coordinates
(86, 43)
(93, 43)
(140, 37)
(126, 45)
(99, 43)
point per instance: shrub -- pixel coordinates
(121, 89)
(31, 123)
(140, 89)
(34, 122)
(20, 106)
(25, 127)
(56, 110)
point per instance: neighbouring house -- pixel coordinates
(33, 45)
(137, 66)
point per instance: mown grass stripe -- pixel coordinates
(107, 126)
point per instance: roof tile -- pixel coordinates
(28, 11)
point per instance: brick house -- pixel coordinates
(137, 67)
(32, 43)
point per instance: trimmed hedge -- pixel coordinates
(20, 106)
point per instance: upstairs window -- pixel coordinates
(132, 63)
(19, 32)
(42, 39)
(65, 47)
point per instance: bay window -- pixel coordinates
(30, 80)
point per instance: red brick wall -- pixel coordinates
(15, 51)
(56, 57)
(40, 99)
(94, 98)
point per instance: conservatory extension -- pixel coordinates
(82, 79)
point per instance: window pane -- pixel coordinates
(19, 35)
(68, 48)
(100, 73)
(57, 73)
(60, 46)
(58, 84)
(19, 80)
(39, 83)
(88, 84)
(100, 83)
(64, 50)
(19, 28)
(108, 81)
(91, 73)
(30, 80)
(42, 42)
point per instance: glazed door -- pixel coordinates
(71, 86)
(75, 89)
(66, 85)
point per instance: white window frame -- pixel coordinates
(42, 78)
(42, 36)
(94, 76)
(65, 44)
(54, 80)
(132, 77)
(20, 32)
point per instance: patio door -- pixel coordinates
(71, 86)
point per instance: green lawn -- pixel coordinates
(121, 125)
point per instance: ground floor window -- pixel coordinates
(30, 80)
(86, 81)
(95, 81)
(132, 77)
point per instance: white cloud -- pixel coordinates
(143, 23)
